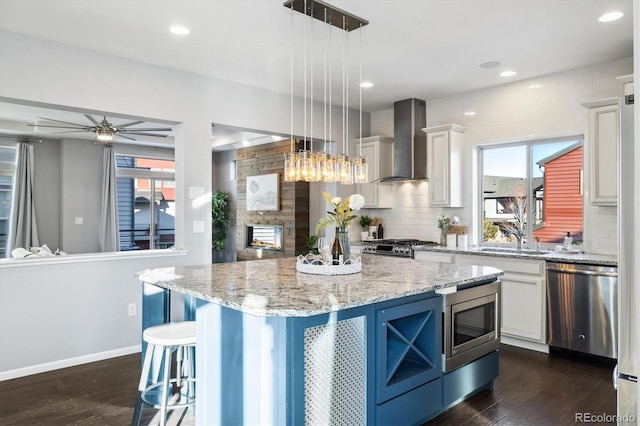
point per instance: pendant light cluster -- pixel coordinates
(307, 165)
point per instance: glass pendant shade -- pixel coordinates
(345, 170)
(306, 166)
(291, 173)
(326, 167)
(360, 170)
(317, 166)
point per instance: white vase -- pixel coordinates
(364, 235)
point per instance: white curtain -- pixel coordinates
(109, 235)
(24, 230)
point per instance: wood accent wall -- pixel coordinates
(293, 214)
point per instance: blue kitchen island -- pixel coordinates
(280, 347)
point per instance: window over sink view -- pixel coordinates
(532, 191)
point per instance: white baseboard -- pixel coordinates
(526, 344)
(70, 362)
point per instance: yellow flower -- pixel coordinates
(342, 208)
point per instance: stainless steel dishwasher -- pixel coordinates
(582, 308)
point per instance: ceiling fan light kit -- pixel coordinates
(104, 135)
(104, 130)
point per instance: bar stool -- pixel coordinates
(162, 341)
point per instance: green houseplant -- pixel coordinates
(364, 222)
(219, 219)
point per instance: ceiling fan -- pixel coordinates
(104, 130)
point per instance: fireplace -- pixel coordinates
(266, 237)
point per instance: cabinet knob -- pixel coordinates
(582, 337)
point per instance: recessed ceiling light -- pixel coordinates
(611, 16)
(469, 113)
(508, 73)
(490, 64)
(366, 84)
(180, 30)
(535, 86)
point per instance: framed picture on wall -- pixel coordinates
(263, 192)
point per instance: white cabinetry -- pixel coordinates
(602, 145)
(523, 299)
(378, 151)
(433, 256)
(444, 164)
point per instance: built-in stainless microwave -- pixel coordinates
(471, 324)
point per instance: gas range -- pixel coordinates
(399, 248)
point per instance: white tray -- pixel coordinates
(313, 264)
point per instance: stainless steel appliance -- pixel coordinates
(626, 376)
(582, 308)
(471, 324)
(400, 248)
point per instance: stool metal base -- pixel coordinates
(152, 395)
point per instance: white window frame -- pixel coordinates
(529, 143)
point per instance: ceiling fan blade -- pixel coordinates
(60, 121)
(149, 129)
(93, 120)
(72, 131)
(81, 128)
(142, 134)
(133, 123)
(126, 137)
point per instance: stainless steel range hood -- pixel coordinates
(410, 142)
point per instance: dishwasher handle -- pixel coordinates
(583, 272)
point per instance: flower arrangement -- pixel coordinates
(445, 222)
(342, 213)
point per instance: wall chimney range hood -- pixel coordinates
(410, 142)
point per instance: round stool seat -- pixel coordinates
(171, 334)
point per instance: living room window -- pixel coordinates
(532, 190)
(146, 202)
(7, 172)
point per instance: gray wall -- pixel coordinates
(47, 191)
(81, 186)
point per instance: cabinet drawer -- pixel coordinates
(402, 409)
(518, 266)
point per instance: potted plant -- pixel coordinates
(365, 221)
(220, 219)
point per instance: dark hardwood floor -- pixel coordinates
(532, 389)
(539, 389)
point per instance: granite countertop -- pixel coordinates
(551, 256)
(273, 287)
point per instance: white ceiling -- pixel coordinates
(411, 48)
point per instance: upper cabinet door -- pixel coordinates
(378, 150)
(603, 153)
(444, 164)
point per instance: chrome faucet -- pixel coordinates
(538, 244)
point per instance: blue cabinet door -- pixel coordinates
(409, 343)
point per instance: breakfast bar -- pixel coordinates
(277, 346)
